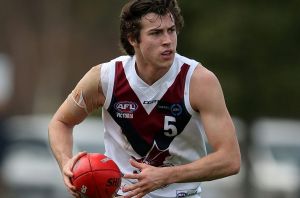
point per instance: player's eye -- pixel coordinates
(155, 33)
(171, 30)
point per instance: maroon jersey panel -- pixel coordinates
(150, 135)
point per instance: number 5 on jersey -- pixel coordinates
(169, 126)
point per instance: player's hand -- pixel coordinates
(67, 173)
(149, 179)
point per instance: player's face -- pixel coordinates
(158, 40)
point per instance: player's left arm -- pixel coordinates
(207, 98)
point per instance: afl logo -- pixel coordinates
(126, 107)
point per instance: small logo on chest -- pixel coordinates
(125, 109)
(150, 101)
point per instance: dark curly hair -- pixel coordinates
(134, 10)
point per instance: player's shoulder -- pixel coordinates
(185, 60)
(200, 72)
(92, 73)
(109, 65)
(123, 58)
(205, 83)
(204, 88)
(203, 75)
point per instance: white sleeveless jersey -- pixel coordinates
(151, 124)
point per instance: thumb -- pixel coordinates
(78, 156)
(67, 171)
(69, 166)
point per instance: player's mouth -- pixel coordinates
(167, 54)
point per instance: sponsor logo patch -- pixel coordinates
(104, 160)
(150, 101)
(185, 193)
(176, 109)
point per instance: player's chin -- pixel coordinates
(166, 64)
(167, 61)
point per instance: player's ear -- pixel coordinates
(132, 41)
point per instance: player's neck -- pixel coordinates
(149, 73)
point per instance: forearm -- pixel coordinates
(211, 167)
(60, 129)
(61, 141)
(150, 178)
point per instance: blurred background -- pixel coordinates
(252, 46)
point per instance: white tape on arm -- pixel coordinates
(79, 100)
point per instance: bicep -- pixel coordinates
(88, 93)
(85, 98)
(219, 129)
(207, 98)
(69, 113)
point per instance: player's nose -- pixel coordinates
(166, 38)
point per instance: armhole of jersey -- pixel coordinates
(187, 89)
(107, 81)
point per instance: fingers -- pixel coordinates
(136, 164)
(132, 176)
(76, 157)
(147, 180)
(79, 155)
(70, 187)
(140, 195)
(70, 164)
(132, 187)
(68, 174)
(68, 183)
(134, 191)
(139, 189)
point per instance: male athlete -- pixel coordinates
(158, 108)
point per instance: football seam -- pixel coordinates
(93, 177)
(91, 171)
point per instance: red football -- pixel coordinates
(96, 176)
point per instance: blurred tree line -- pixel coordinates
(252, 46)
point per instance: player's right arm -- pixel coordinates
(86, 97)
